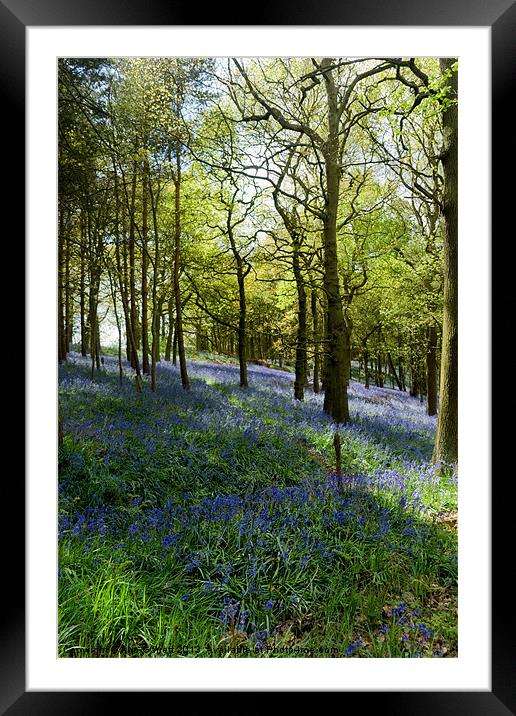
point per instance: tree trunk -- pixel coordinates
(259, 339)
(379, 370)
(401, 373)
(242, 305)
(300, 363)
(431, 371)
(336, 365)
(393, 371)
(324, 343)
(61, 330)
(177, 267)
(123, 269)
(446, 444)
(145, 266)
(82, 290)
(119, 329)
(156, 304)
(366, 368)
(132, 286)
(94, 283)
(347, 351)
(124, 294)
(174, 346)
(156, 345)
(401, 369)
(414, 377)
(93, 337)
(315, 323)
(98, 359)
(163, 322)
(170, 334)
(68, 299)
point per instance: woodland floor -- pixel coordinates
(209, 522)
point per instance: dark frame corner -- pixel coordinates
(500, 15)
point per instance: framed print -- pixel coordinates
(34, 39)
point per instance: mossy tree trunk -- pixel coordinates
(446, 444)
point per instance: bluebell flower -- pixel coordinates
(353, 647)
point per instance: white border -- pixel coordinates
(471, 670)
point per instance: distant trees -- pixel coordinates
(234, 240)
(320, 109)
(84, 205)
(328, 131)
(296, 210)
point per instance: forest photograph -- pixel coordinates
(257, 321)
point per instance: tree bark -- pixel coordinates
(366, 367)
(125, 294)
(124, 269)
(393, 371)
(132, 283)
(446, 444)
(379, 370)
(315, 323)
(300, 362)
(177, 268)
(94, 284)
(414, 374)
(61, 330)
(431, 371)
(68, 298)
(156, 304)
(401, 373)
(174, 346)
(242, 311)
(335, 379)
(98, 360)
(170, 334)
(401, 369)
(93, 330)
(119, 329)
(159, 327)
(145, 267)
(82, 291)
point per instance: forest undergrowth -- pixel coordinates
(211, 522)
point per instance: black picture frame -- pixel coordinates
(15, 16)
